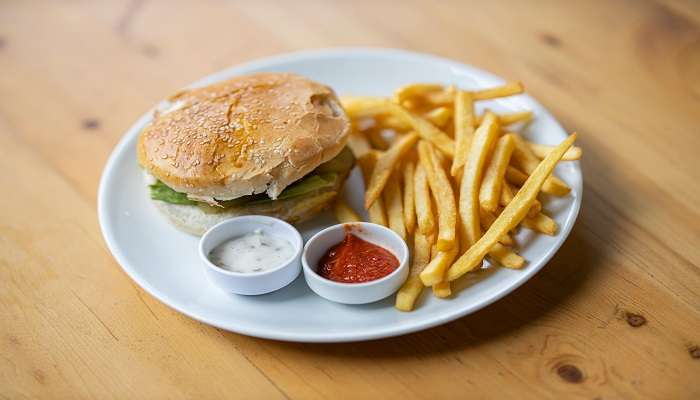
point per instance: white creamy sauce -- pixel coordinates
(253, 252)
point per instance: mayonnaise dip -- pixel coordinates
(253, 252)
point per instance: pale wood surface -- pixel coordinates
(625, 74)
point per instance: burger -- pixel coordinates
(269, 143)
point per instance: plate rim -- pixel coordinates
(111, 241)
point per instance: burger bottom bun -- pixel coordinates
(193, 220)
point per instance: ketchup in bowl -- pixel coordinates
(355, 260)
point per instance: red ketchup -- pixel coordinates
(355, 260)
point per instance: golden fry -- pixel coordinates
(385, 166)
(515, 176)
(464, 129)
(394, 205)
(424, 207)
(442, 192)
(442, 289)
(358, 144)
(507, 194)
(484, 139)
(509, 89)
(505, 256)
(343, 212)
(394, 122)
(414, 90)
(486, 219)
(541, 151)
(376, 211)
(439, 116)
(510, 118)
(376, 139)
(490, 190)
(524, 159)
(412, 288)
(434, 272)
(409, 204)
(541, 223)
(512, 214)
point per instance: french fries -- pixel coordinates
(343, 213)
(434, 272)
(541, 151)
(464, 129)
(414, 90)
(394, 205)
(510, 118)
(376, 211)
(442, 290)
(541, 223)
(412, 288)
(358, 144)
(409, 204)
(385, 166)
(507, 194)
(509, 89)
(423, 204)
(439, 116)
(495, 171)
(484, 139)
(512, 214)
(525, 160)
(495, 174)
(442, 192)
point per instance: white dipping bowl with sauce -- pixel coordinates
(268, 279)
(355, 293)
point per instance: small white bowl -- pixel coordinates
(257, 282)
(354, 293)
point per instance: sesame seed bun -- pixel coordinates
(248, 135)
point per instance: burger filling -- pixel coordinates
(325, 176)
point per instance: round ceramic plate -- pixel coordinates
(163, 260)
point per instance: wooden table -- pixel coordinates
(616, 314)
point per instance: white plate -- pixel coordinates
(164, 260)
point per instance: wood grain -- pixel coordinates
(616, 313)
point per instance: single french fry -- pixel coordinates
(486, 219)
(409, 204)
(439, 116)
(434, 272)
(385, 166)
(442, 193)
(358, 144)
(541, 223)
(412, 288)
(512, 214)
(515, 176)
(441, 98)
(343, 212)
(394, 122)
(413, 90)
(360, 107)
(509, 89)
(507, 194)
(430, 132)
(524, 159)
(494, 173)
(423, 203)
(394, 205)
(509, 118)
(541, 151)
(442, 289)
(376, 139)
(505, 256)
(376, 211)
(479, 151)
(464, 129)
